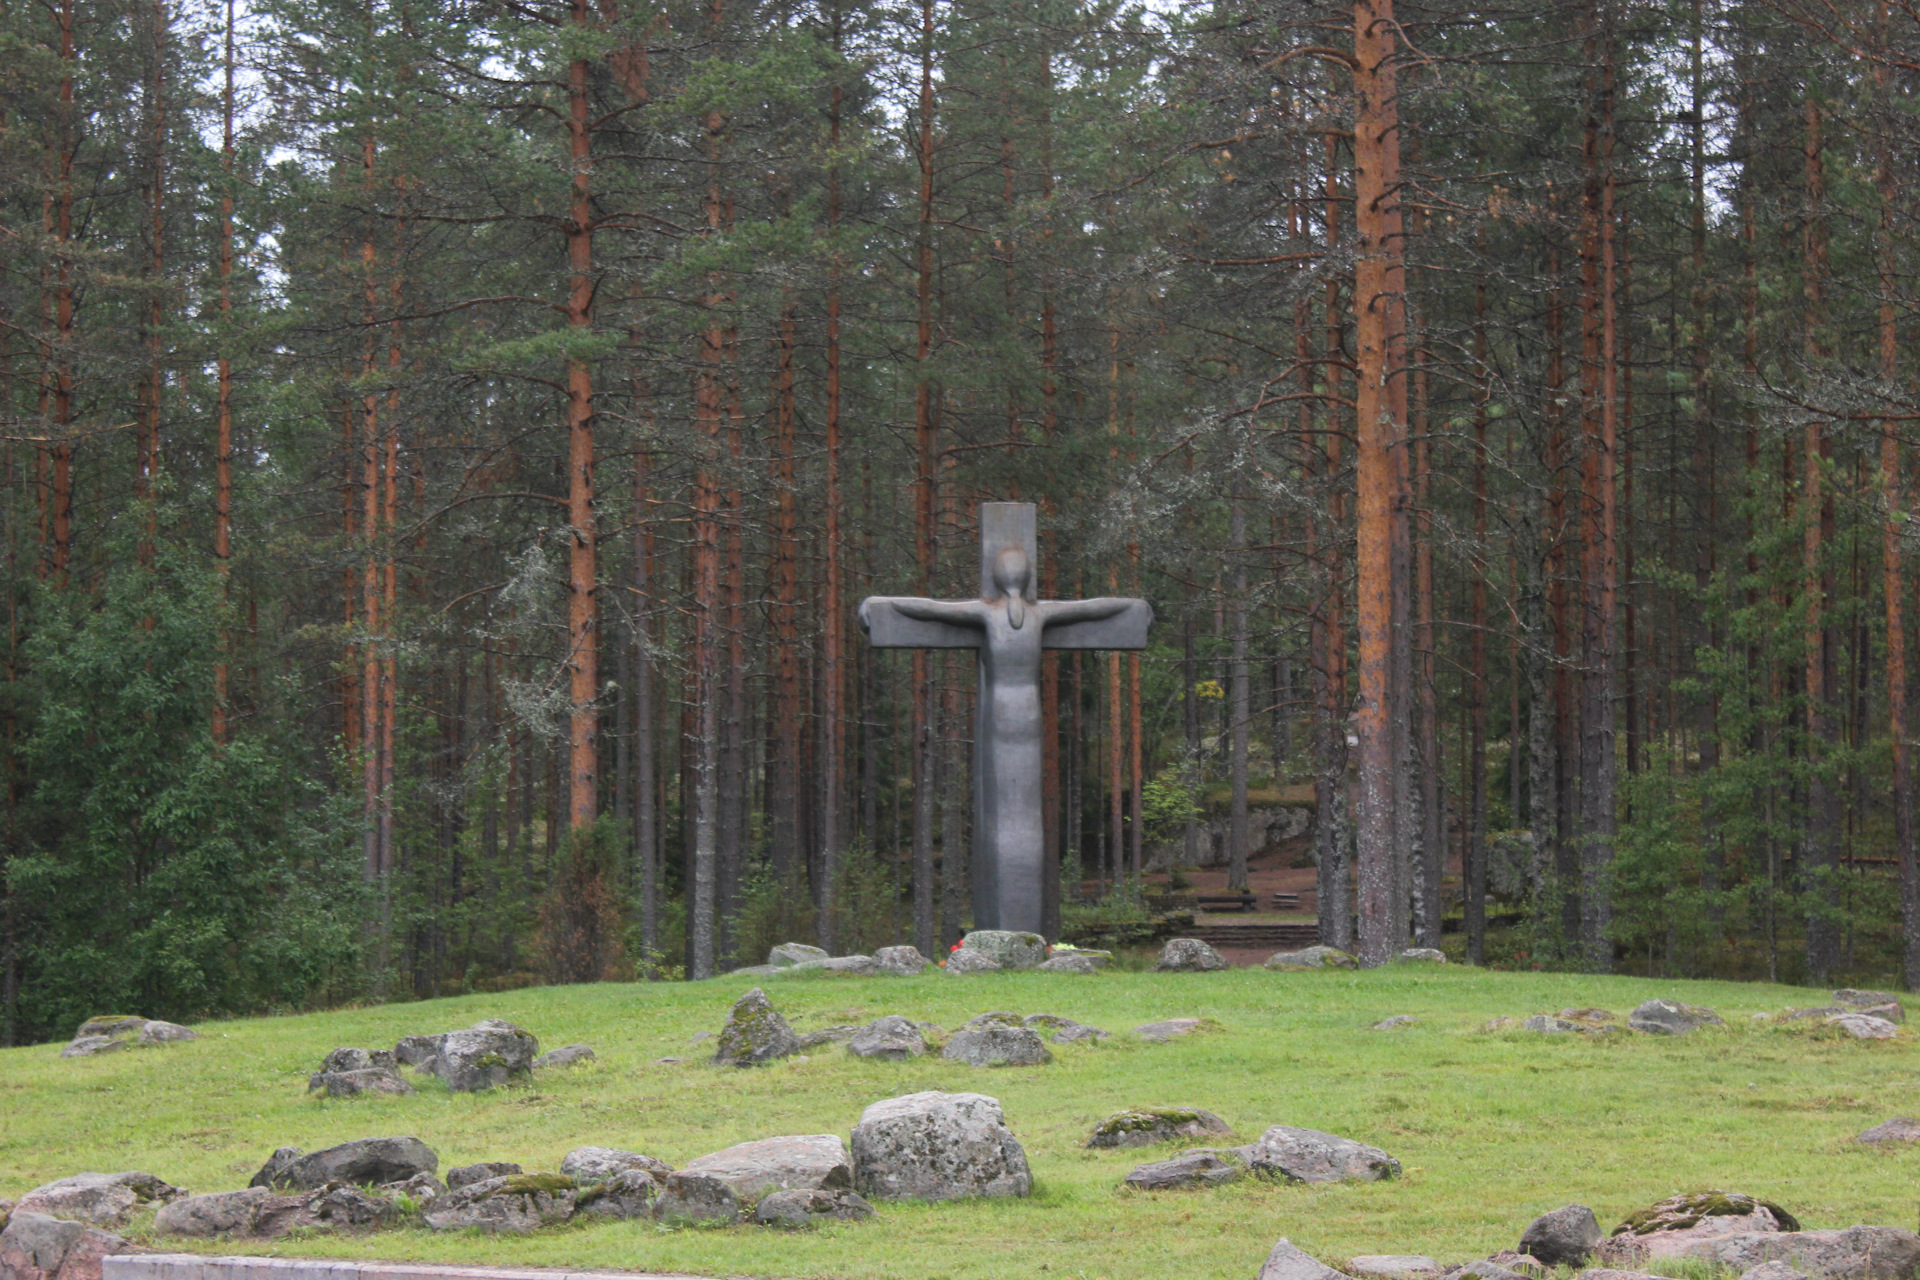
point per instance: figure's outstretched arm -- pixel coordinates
(1057, 611)
(965, 613)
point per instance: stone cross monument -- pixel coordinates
(1007, 627)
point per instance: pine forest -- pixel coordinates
(443, 449)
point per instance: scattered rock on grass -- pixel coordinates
(1149, 1126)
(118, 1031)
(416, 1051)
(1393, 1266)
(571, 1055)
(937, 1146)
(1485, 1269)
(1672, 1018)
(692, 1198)
(1061, 1030)
(364, 1162)
(1308, 1155)
(1854, 998)
(1169, 1029)
(1070, 962)
(1898, 1129)
(627, 1195)
(35, 1246)
(468, 1174)
(1669, 1227)
(1397, 1020)
(1286, 1262)
(486, 1055)
(1863, 1026)
(809, 1162)
(901, 962)
(357, 1060)
(1319, 957)
(588, 1165)
(218, 1213)
(1201, 1167)
(1551, 1025)
(801, 1208)
(104, 1199)
(840, 1033)
(968, 960)
(1564, 1238)
(890, 1039)
(514, 1205)
(351, 1084)
(755, 1033)
(1428, 955)
(788, 954)
(1855, 1253)
(995, 1046)
(845, 966)
(1189, 955)
(1009, 948)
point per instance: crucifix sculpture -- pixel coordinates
(1007, 627)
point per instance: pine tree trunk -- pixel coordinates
(923, 500)
(1474, 858)
(1821, 869)
(833, 636)
(583, 722)
(1241, 710)
(223, 439)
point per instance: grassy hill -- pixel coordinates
(1492, 1128)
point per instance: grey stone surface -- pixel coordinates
(358, 1060)
(570, 1055)
(468, 1174)
(803, 1208)
(1898, 1129)
(892, 1039)
(596, 1164)
(1316, 957)
(337, 1207)
(1392, 1266)
(484, 1056)
(692, 1198)
(350, 1084)
(901, 962)
(1854, 998)
(422, 1188)
(994, 1018)
(998, 1047)
(1010, 948)
(104, 1199)
(627, 1195)
(1070, 962)
(1552, 1025)
(515, 1205)
(761, 971)
(218, 1213)
(416, 1051)
(35, 1246)
(755, 1033)
(967, 960)
(788, 954)
(1308, 1155)
(1201, 1167)
(838, 1034)
(1008, 627)
(1773, 1271)
(1852, 1253)
(1863, 1026)
(1150, 1126)
(1672, 1018)
(1428, 955)
(851, 966)
(1667, 1228)
(1286, 1262)
(114, 1032)
(1485, 1269)
(1168, 1029)
(158, 1032)
(811, 1162)
(1563, 1238)
(364, 1161)
(1397, 1020)
(937, 1146)
(1189, 955)
(1058, 1030)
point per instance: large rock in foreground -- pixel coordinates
(1672, 1018)
(365, 1162)
(998, 1047)
(1148, 1126)
(755, 1033)
(104, 1199)
(515, 1205)
(695, 1198)
(808, 1162)
(37, 1247)
(1010, 949)
(1308, 1155)
(937, 1146)
(1855, 1253)
(1564, 1238)
(1286, 1262)
(258, 1212)
(1189, 955)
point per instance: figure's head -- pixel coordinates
(1013, 572)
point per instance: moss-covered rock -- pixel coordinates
(1678, 1213)
(1148, 1126)
(755, 1033)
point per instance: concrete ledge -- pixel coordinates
(195, 1266)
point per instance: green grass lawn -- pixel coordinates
(1492, 1129)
